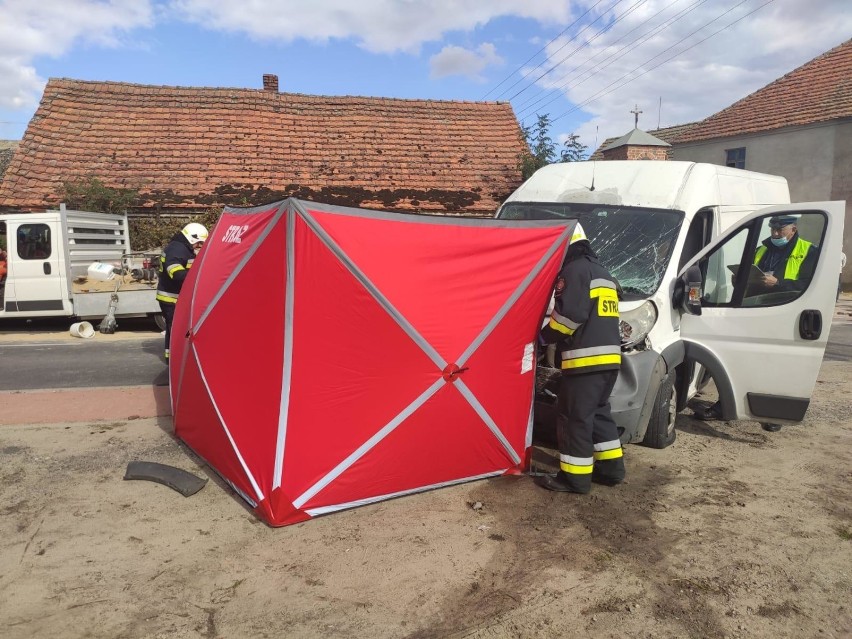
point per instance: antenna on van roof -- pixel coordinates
(592, 187)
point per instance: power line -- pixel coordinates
(586, 26)
(604, 91)
(554, 39)
(612, 58)
(632, 8)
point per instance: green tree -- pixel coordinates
(541, 149)
(573, 150)
(91, 194)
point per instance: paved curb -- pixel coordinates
(83, 404)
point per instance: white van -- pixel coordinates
(661, 226)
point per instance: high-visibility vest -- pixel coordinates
(794, 261)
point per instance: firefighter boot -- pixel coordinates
(562, 482)
(609, 472)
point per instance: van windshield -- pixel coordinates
(633, 243)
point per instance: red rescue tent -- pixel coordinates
(327, 357)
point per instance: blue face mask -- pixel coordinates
(780, 241)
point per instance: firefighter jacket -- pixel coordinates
(175, 262)
(792, 264)
(584, 322)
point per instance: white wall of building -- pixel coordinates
(815, 159)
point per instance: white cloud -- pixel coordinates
(452, 60)
(601, 78)
(379, 26)
(52, 27)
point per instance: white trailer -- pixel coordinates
(52, 257)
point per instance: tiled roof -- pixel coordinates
(818, 91)
(187, 148)
(7, 149)
(666, 134)
(637, 137)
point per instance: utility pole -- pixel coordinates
(636, 111)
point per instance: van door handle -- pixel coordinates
(46, 267)
(810, 324)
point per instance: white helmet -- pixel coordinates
(579, 234)
(194, 232)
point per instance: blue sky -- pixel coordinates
(678, 60)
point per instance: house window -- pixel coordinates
(735, 158)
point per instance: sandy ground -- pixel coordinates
(730, 532)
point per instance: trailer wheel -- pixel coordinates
(159, 320)
(661, 429)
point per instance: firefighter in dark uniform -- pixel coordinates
(584, 323)
(175, 262)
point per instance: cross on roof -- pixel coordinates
(636, 111)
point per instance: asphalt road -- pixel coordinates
(49, 359)
(43, 355)
(839, 343)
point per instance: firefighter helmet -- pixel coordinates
(579, 234)
(194, 232)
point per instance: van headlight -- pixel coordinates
(636, 324)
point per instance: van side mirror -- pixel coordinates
(687, 291)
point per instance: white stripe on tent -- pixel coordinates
(257, 490)
(366, 446)
(324, 510)
(483, 414)
(175, 397)
(239, 267)
(513, 298)
(286, 373)
(374, 291)
(425, 346)
(465, 391)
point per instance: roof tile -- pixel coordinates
(195, 143)
(817, 91)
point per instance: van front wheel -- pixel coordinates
(661, 429)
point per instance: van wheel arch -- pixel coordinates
(661, 431)
(701, 355)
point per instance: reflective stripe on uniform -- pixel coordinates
(612, 443)
(794, 261)
(603, 291)
(576, 465)
(164, 296)
(600, 287)
(609, 349)
(174, 268)
(594, 360)
(600, 282)
(604, 455)
(562, 324)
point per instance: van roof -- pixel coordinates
(655, 184)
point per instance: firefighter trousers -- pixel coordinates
(168, 310)
(587, 435)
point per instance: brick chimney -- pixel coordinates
(270, 82)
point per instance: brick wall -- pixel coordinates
(631, 152)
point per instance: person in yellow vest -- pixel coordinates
(585, 325)
(786, 259)
(787, 262)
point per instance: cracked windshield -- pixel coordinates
(633, 243)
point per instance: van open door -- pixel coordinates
(763, 343)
